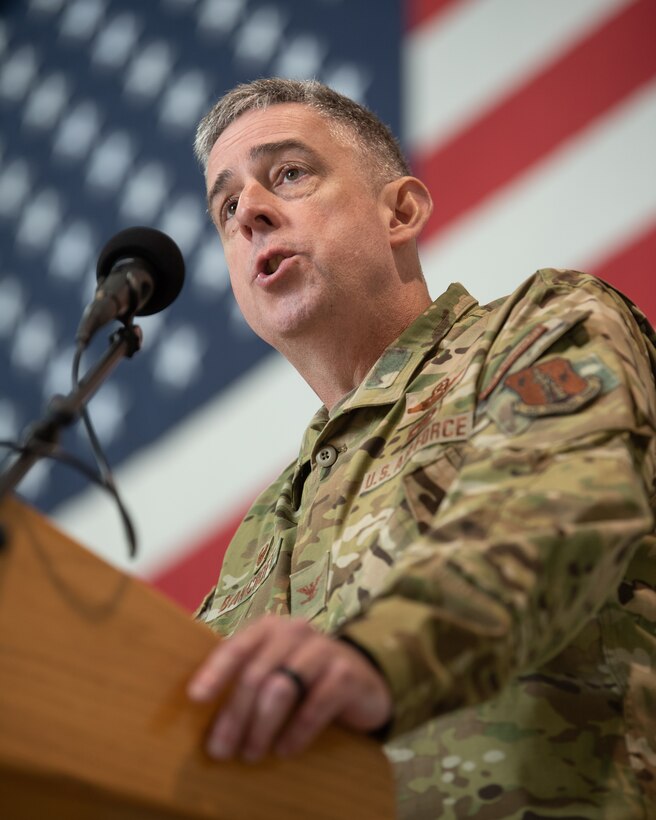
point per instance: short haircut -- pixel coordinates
(347, 118)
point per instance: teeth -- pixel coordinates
(274, 263)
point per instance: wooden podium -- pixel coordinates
(94, 721)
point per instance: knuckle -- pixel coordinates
(343, 672)
(234, 648)
(277, 690)
(252, 677)
(278, 683)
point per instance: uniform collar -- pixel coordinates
(387, 380)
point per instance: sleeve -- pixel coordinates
(553, 494)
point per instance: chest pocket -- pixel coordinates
(426, 486)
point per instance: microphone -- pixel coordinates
(140, 271)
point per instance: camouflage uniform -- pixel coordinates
(485, 534)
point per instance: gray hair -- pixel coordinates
(346, 117)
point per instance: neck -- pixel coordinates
(333, 363)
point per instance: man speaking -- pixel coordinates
(460, 561)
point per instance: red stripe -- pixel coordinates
(192, 576)
(564, 98)
(631, 270)
(419, 12)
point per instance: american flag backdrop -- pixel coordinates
(532, 121)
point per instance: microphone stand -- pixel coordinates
(64, 410)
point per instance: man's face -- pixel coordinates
(303, 228)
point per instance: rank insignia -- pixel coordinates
(437, 394)
(309, 588)
(551, 387)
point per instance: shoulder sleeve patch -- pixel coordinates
(556, 386)
(552, 387)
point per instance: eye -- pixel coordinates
(292, 173)
(229, 208)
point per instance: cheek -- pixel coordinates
(236, 274)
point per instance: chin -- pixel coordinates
(278, 327)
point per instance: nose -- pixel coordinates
(256, 210)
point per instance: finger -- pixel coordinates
(239, 714)
(324, 703)
(223, 663)
(319, 665)
(349, 690)
(229, 657)
(278, 696)
(277, 700)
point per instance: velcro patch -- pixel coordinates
(234, 599)
(551, 387)
(421, 401)
(439, 431)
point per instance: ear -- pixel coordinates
(409, 204)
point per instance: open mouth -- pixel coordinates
(268, 265)
(272, 264)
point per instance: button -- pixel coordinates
(326, 456)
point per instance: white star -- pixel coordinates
(72, 251)
(110, 161)
(14, 187)
(184, 100)
(184, 220)
(116, 41)
(77, 131)
(349, 79)
(301, 57)
(81, 18)
(219, 16)
(178, 358)
(107, 410)
(149, 69)
(39, 220)
(47, 101)
(18, 74)
(34, 341)
(144, 192)
(258, 38)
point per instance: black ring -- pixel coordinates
(296, 679)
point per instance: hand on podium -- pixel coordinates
(287, 682)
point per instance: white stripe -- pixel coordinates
(574, 207)
(191, 480)
(472, 56)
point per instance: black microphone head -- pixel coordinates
(159, 251)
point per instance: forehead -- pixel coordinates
(286, 121)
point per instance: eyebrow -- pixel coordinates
(257, 152)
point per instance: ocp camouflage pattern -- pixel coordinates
(486, 535)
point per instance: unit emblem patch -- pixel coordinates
(551, 387)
